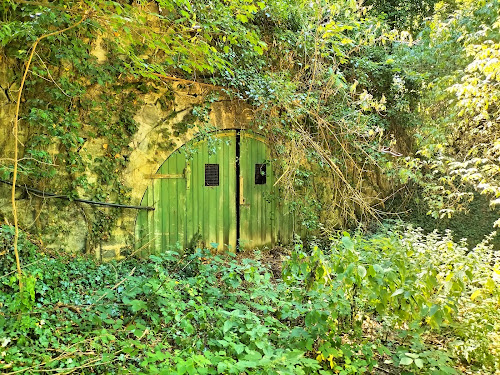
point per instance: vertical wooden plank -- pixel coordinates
(272, 203)
(269, 192)
(221, 197)
(182, 208)
(205, 229)
(231, 232)
(231, 202)
(189, 204)
(262, 197)
(158, 217)
(225, 193)
(170, 198)
(260, 159)
(207, 201)
(250, 188)
(151, 220)
(256, 203)
(196, 188)
(218, 197)
(173, 201)
(243, 192)
(175, 197)
(244, 228)
(246, 210)
(164, 205)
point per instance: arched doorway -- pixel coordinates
(215, 192)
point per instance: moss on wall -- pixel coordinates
(159, 117)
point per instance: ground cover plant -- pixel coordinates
(397, 302)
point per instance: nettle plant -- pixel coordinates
(361, 303)
(405, 286)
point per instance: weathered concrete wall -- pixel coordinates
(165, 122)
(156, 138)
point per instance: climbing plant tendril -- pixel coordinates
(16, 148)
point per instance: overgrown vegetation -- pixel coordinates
(368, 100)
(397, 301)
(317, 75)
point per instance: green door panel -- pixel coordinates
(189, 214)
(211, 210)
(256, 200)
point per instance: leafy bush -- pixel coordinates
(359, 304)
(412, 287)
(215, 315)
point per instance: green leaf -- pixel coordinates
(361, 271)
(347, 242)
(433, 310)
(383, 350)
(405, 361)
(181, 368)
(242, 18)
(412, 355)
(253, 356)
(227, 326)
(419, 363)
(221, 367)
(137, 305)
(258, 49)
(448, 369)
(398, 292)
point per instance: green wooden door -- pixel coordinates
(214, 193)
(211, 200)
(255, 192)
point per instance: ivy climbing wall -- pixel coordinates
(98, 113)
(7, 107)
(106, 163)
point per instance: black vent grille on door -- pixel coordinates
(211, 174)
(260, 174)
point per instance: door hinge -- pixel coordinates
(186, 174)
(164, 176)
